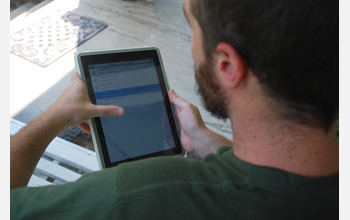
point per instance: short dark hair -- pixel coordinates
(292, 47)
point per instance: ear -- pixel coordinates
(231, 65)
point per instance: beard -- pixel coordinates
(210, 91)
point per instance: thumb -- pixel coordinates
(177, 100)
(108, 111)
(74, 76)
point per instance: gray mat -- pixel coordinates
(51, 37)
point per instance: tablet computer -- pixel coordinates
(135, 80)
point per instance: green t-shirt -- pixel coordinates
(220, 186)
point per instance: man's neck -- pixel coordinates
(299, 149)
(262, 137)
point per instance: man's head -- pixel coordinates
(290, 46)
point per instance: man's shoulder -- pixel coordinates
(167, 170)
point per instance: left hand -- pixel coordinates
(70, 109)
(74, 107)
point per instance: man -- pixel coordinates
(271, 67)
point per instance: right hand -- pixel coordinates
(192, 125)
(196, 138)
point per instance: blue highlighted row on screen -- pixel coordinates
(127, 91)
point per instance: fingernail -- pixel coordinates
(119, 111)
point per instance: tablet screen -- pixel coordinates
(147, 126)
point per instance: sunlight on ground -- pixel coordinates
(28, 80)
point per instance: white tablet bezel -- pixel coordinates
(94, 130)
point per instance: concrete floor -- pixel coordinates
(159, 23)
